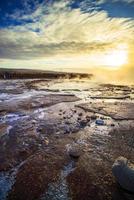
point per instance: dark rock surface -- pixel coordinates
(44, 130)
(116, 110)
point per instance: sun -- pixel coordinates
(116, 58)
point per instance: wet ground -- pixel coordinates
(59, 139)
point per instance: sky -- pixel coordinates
(68, 35)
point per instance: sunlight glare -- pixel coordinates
(116, 58)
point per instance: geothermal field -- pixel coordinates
(60, 136)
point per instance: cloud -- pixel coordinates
(57, 35)
(58, 29)
(23, 51)
(121, 1)
(89, 5)
(126, 1)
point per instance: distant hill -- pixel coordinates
(32, 74)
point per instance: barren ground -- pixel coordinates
(51, 144)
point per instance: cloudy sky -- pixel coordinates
(67, 34)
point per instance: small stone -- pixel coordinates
(99, 122)
(68, 122)
(88, 118)
(33, 121)
(83, 123)
(93, 117)
(74, 153)
(67, 130)
(80, 114)
(46, 140)
(78, 118)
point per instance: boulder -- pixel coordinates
(124, 173)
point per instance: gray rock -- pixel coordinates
(74, 153)
(124, 173)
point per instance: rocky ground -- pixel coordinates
(59, 139)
